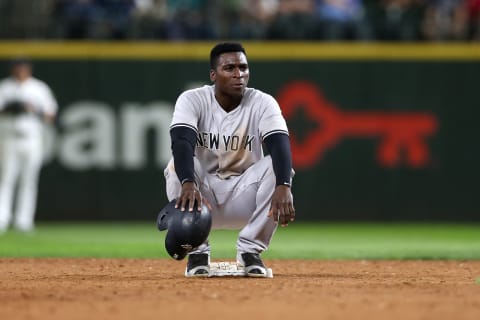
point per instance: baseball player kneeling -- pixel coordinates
(217, 133)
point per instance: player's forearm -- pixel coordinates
(279, 147)
(183, 146)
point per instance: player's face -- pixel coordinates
(22, 71)
(231, 75)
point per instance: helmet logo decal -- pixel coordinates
(187, 247)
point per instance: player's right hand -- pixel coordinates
(189, 195)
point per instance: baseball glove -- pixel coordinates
(14, 108)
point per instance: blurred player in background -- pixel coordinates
(25, 104)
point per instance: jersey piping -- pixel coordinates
(184, 125)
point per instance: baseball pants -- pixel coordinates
(239, 202)
(20, 164)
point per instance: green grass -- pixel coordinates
(298, 241)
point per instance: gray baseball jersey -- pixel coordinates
(228, 143)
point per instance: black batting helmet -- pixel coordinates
(186, 230)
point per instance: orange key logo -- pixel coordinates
(402, 135)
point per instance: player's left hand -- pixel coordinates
(282, 208)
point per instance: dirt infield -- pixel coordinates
(156, 289)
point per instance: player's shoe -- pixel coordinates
(24, 227)
(197, 265)
(254, 266)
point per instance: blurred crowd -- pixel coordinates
(358, 20)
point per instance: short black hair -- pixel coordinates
(223, 48)
(17, 61)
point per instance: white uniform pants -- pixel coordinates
(20, 164)
(240, 202)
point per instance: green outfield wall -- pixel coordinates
(387, 132)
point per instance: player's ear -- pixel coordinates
(213, 75)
